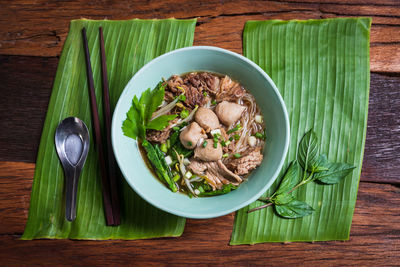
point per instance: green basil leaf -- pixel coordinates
(307, 153)
(290, 180)
(322, 164)
(161, 122)
(335, 173)
(294, 209)
(282, 199)
(322, 160)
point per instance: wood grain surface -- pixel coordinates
(43, 25)
(31, 37)
(204, 241)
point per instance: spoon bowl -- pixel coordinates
(72, 144)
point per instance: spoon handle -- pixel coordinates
(71, 184)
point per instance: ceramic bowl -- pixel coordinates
(239, 68)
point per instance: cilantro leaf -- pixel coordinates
(132, 126)
(156, 97)
(138, 118)
(161, 122)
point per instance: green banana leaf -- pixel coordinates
(129, 45)
(321, 68)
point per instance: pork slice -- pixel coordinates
(210, 82)
(160, 136)
(215, 178)
(200, 168)
(229, 90)
(205, 81)
(197, 167)
(169, 96)
(173, 83)
(195, 97)
(215, 171)
(175, 87)
(227, 173)
(246, 162)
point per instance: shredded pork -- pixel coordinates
(196, 86)
(246, 162)
(160, 136)
(216, 172)
(229, 90)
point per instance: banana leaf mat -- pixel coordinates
(321, 68)
(129, 45)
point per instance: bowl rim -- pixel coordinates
(261, 190)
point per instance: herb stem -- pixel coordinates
(264, 198)
(297, 186)
(303, 182)
(260, 207)
(304, 175)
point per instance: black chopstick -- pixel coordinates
(97, 133)
(107, 122)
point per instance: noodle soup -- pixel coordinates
(215, 139)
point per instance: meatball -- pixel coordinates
(229, 112)
(191, 135)
(209, 152)
(207, 119)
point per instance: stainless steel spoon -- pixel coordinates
(72, 144)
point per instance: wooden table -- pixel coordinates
(31, 37)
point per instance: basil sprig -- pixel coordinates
(309, 166)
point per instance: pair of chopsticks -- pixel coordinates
(108, 175)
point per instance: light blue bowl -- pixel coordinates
(218, 60)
